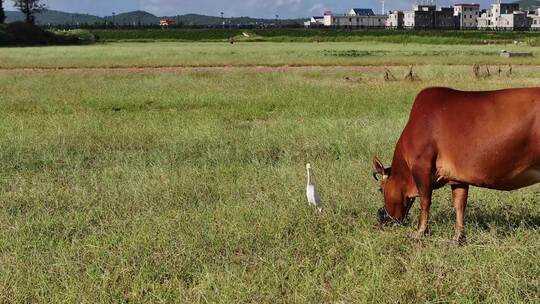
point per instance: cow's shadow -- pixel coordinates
(503, 219)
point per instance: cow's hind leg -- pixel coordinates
(459, 197)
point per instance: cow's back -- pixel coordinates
(484, 138)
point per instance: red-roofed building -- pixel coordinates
(166, 22)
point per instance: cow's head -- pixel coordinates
(396, 204)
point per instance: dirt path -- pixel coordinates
(132, 70)
(187, 69)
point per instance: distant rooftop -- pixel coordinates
(363, 11)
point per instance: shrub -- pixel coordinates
(25, 34)
(21, 33)
(533, 41)
(5, 38)
(77, 36)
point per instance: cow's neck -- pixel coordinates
(402, 173)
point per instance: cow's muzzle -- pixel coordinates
(386, 219)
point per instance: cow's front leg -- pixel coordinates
(423, 221)
(422, 177)
(459, 197)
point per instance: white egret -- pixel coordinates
(313, 197)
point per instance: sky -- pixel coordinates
(231, 8)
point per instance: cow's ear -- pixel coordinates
(378, 166)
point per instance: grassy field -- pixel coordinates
(320, 35)
(171, 185)
(256, 54)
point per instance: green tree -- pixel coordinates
(30, 8)
(2, 13)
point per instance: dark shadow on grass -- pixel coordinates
(504, 219)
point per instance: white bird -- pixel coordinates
(313, 197)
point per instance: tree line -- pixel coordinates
(28, 7)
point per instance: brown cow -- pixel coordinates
(487, 139)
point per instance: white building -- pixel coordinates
(467, 15)
(315, 21)
(395, 20)
(500, 16)
(427, 16)
(356, 17)
(534, 20)
(503, 16)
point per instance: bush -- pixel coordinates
(21, 33)
(25, 34)
(5, 38)
(79, 36)
(533, 41)
(168, 34)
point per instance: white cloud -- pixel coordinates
(317, 8)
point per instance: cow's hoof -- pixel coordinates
(419, 234)
(458, 240)
(453, 243)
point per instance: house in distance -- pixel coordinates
(166, 22)
(426, 15)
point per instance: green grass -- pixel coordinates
(168, 186)
(320, 35)
(255, 54)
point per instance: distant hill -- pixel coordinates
(134, 18)
(528, 4)
(195, 19)
(142, 17)
(53, 17)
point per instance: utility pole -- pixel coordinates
(382, 10)
(277, 17)
(222, 20)
(113, 19)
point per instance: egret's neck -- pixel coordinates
(309, 177)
